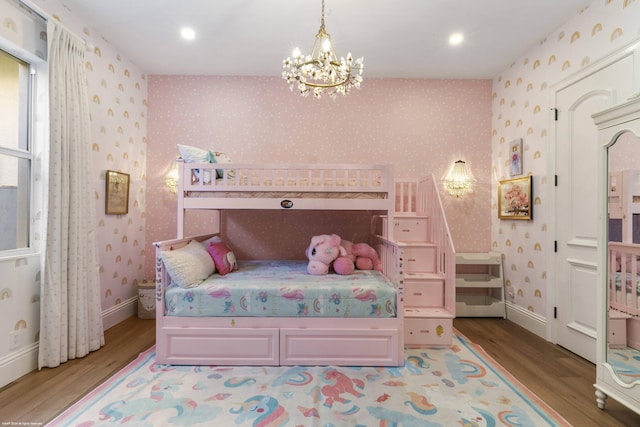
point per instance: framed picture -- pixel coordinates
(515, 157)
(117, 193)
(514, 198)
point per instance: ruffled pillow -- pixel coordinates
(189, 265)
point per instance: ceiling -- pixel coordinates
(397, 38)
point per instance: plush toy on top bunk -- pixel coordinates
(330, 251)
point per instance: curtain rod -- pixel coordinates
(47, 17)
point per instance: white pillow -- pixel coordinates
(192, 154)
(189, 265)
(195, 155)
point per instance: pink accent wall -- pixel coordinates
(419, 126)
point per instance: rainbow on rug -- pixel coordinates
(460, 385)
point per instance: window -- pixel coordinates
(16, 155)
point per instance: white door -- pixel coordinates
(576, 210)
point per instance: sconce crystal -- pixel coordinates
(171, 179)
(458, 181)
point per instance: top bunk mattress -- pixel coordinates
(284, 289)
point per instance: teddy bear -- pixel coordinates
(330, 251)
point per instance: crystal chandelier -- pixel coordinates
(321, 72)
(458, 181)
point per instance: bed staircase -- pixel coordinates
(420, 228)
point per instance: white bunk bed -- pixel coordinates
(342, 340)
(624, 200)
(623, 279)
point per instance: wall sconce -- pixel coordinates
(458, 181)
(171, 179)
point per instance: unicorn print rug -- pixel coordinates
(455, 386)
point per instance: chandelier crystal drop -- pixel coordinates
(320, 72)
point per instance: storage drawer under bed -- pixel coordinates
(220, 346)
(279, 346)
(299, 346)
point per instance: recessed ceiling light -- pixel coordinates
(456, 38)
(188, 33)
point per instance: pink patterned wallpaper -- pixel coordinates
(419, 126)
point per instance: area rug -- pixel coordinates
(457, 386)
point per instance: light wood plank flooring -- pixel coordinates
(559, 377)
(41, 395)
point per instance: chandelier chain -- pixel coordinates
(322, 29)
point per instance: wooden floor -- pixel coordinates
(560, 378)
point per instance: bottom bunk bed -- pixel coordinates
(624, 293)
(275, 313)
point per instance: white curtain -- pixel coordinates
(70, 314)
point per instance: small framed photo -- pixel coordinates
(117, 193)
(515, 157)
(515, 198)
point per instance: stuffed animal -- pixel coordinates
(330, 251)
(322, 252)
(363, 256)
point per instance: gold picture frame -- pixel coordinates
(515, 198)
(117, 193)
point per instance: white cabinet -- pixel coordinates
(479, 285)
(617, 373)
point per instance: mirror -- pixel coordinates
(623, 323)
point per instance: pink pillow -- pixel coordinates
(223, 257)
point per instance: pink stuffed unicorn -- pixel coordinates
(327, 251)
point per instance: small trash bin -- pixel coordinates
(147, 299)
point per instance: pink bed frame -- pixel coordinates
(299, 341)
(625, 301)
(280, 340)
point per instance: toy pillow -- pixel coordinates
(189, 265)
(223, 158)
(222, 256)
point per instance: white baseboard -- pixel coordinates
(118, 313)
(25, 360)
(531, 321)
(18, 363)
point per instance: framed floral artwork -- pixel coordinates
(514, 198)
(117, 193)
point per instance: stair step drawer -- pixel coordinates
(424, 293)
(427, 331)
(410, 229)
(420, 259)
